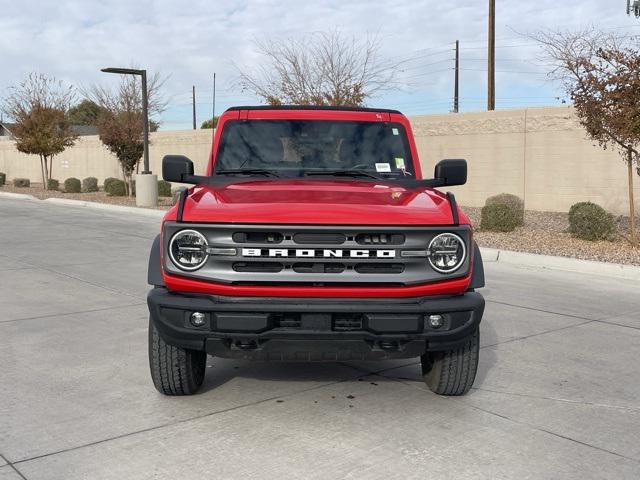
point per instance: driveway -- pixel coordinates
(557, 393)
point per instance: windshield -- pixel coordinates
(298, 148)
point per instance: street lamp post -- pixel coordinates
(146, 183)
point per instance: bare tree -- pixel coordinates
(323, 68)
(39, 106)
(601, 74)
(121, 123)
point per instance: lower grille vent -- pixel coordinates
(257, 237)
(318, 268)
(258, 267)
(380, 239)
(287, 321)
(379, 268)
(347, 323)
(321, 238)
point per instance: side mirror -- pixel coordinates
(451, 172)
(177, 168)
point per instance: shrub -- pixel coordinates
(107, 181)
(164, 188)
(515, 204)
(3, 178)
(116, 189)
(72, 185)
(53, 184)
(499, 218)
(90, 184)
(589, 221)
(21, 182)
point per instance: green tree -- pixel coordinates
(84, 113)
(210, 123)
(39, 107)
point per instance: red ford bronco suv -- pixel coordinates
(313, 237)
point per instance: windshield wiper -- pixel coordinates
(345, 173)
(247, 171)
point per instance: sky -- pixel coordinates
(190, 40)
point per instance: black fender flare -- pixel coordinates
(154, 271)
(477, 277)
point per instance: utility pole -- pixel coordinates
(456, 88)
(213, 106)
(491, 80)
(193, 96)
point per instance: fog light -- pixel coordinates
(436, 321)
(198, 319)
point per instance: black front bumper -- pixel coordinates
(314, 329)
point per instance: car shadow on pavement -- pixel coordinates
(221, 371)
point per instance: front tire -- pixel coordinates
(452, 372)
(174, 370)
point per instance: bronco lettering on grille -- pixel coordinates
(313, 253)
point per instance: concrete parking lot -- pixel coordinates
(557, 393)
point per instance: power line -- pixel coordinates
(428, 73)
(427, 64)
(503, 46)
(503, 71)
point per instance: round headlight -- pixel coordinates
(188, 250)
(446, 252)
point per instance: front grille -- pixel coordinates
(320, 256)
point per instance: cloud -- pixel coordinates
(73, 39)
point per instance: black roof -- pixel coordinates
(84, 130)
(312, 107)
(81, 130)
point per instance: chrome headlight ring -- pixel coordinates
(447, 252)
(188, 250)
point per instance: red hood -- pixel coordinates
(318, 202)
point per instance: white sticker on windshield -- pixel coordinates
(400, 163)
(383, 167)
(395, 131)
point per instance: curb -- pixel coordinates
(149, 212)
(566, 264)
(17, 196)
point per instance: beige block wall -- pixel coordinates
(89, 158)
(539, 154)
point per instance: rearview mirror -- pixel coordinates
(177, 168)
(451, 172)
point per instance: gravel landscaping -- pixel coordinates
(36, 190)
(546, 233)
